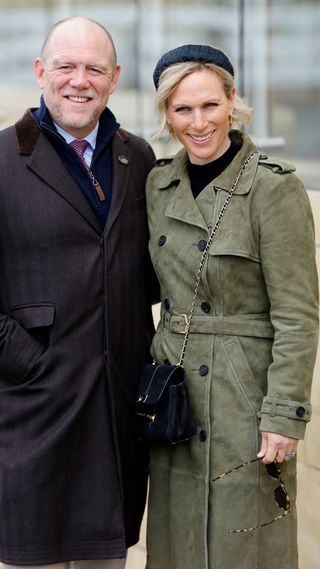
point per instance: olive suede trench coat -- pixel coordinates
(249, 359)
(75, 331)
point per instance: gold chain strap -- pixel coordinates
(204, 254)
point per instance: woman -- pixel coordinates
(253, 339)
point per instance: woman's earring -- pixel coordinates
(170, 129)
(230, 120)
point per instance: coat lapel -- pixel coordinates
(183, 207)
(121, 169)
(46, 163)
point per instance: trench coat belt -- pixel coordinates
(228, 325)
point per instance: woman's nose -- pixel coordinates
(199, 119)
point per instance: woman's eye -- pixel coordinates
(182, 109)
(211, 105)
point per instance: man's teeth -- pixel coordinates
(79, 99)
(201, 138)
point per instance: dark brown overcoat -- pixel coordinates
(75, 331)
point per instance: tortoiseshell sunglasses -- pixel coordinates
(280, 493)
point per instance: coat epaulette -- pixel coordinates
(163, 161)
(277, 166)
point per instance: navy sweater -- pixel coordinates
(101, 165)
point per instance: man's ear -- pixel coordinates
(39, 71)
(115, 78)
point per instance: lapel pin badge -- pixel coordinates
(123, 160)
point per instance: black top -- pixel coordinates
(201, 175)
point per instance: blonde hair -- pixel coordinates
(171, 77)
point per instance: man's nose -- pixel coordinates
(79, 78)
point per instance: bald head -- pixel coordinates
(72, 25)
(77, 72)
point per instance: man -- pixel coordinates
(75, 323)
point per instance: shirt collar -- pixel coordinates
(91, 138)
(107, 125)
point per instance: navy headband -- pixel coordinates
(193, 53)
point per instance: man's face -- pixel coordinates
(77, 74)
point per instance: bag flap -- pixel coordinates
(155, 378)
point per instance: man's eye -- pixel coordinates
(95, 71)
(65, 68)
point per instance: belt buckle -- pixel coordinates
(186, 323)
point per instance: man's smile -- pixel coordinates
(78, 99)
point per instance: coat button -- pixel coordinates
(202, 245)
(123, 160)
(203, 370)
(263, 157)
(162, 240)
(205, 307)
(166, 304)
(300, 411)
(203, 436)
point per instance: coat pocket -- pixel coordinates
(246, 382)
(25, 337)
(33, 315)
(37, 319)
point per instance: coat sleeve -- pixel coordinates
(288, 262)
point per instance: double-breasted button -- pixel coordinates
(203, 370)
(263, 157)
(202, 245)
(161, 241)
(202, 436)
(205, 307)
(166, 303)
(300, 411)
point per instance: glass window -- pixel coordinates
(275, 47)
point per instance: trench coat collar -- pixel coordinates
(177, 170)
(45, 162)
(182, 205)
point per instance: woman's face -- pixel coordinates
(198, 112)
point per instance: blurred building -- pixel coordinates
(275, 46)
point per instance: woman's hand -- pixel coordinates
(276, 447)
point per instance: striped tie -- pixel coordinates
(79, 147)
